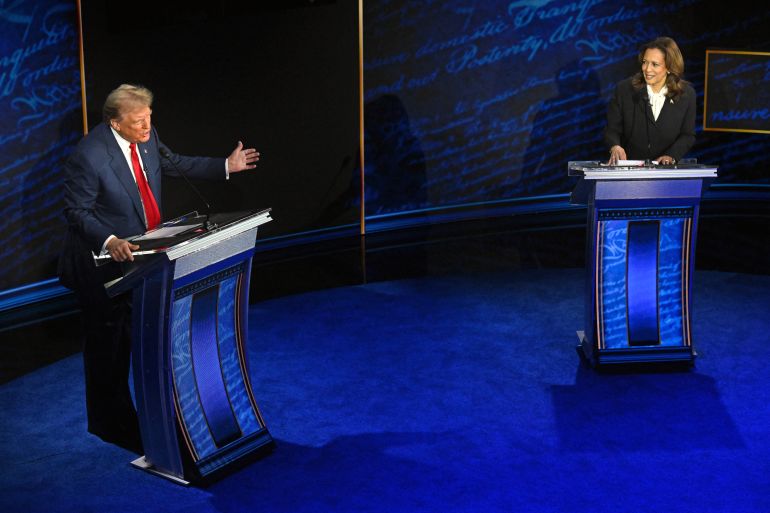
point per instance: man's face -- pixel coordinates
(134, 125)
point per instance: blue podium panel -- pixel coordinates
(641, 279)
(217, 414)
(197, 413)
(640, 246)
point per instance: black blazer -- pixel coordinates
(630, 123)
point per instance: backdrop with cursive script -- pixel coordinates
(472, 102)
(465, 102)
(40, 122)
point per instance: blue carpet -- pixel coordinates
(442, 394)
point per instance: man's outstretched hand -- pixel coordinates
(241, 160)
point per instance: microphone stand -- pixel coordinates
(647, 103)
(167, 155)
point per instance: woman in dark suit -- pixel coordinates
(652, 114)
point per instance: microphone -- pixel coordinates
(167, 155)
(646, 97)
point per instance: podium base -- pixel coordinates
(142, 464)
(597, 358)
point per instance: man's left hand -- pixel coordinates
(241, 160)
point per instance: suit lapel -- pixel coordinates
(650, 115)
(124, 174)
(668, 105)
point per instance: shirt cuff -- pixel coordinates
(227, 170)
(104, 246)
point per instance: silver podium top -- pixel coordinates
(212, 245)
(216, 245)
(632, 169)
(217, 235)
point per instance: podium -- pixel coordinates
(190, 282)
(640, 249)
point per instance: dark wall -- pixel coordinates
(280, 76)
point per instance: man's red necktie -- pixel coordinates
(151, 212)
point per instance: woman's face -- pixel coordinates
(654, 68)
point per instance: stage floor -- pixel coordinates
(441, 393)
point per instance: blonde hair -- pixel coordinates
(674, 64)
(125, 97)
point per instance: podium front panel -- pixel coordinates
(215, 405)
(641, 268)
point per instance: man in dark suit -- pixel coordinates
(112, 190)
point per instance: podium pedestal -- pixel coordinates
(197, 412)
(640, 248)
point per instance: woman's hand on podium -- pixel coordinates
(617, 153)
